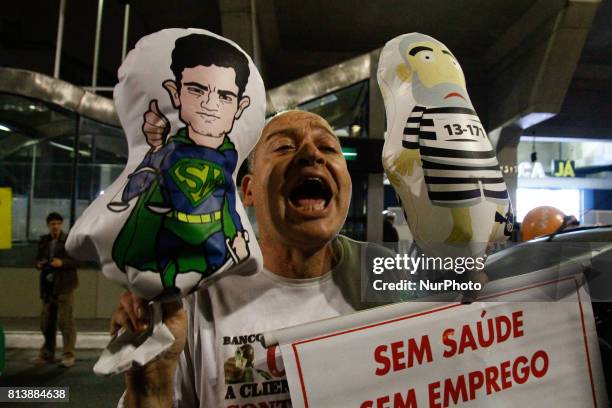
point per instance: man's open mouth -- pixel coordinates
(311, 194)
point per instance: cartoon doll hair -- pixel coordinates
(412, 38)
(199, 49)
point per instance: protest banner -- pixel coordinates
(502, 350)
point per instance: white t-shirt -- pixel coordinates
(224, 364)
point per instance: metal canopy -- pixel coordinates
(44, 88)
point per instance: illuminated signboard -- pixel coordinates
(349, 153)
(563, 168)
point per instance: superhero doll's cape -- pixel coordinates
(192, 105)
(437, 155)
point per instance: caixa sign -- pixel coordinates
(563, 168)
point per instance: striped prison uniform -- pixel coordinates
(459, 167)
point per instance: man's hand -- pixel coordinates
(133, 314)
(40, 264)
(56, 263)
(155, 126)
(151, 385)
(240, 247)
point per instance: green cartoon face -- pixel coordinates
(196, 178)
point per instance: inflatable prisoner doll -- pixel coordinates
(437, 155)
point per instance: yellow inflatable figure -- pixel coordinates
(437, 154)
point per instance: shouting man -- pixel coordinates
(300, 188)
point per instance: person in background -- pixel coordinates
(389, 231)
(58, 280)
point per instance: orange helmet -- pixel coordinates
(541, 221)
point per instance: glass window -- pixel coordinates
(36, 150)
(567, 200)
(103, 153)
(591, 158)
(346, 110)
(39, 154)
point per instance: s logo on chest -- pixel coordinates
(196, 178)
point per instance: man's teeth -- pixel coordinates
(311, 204)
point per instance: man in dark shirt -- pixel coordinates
(58, 280)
